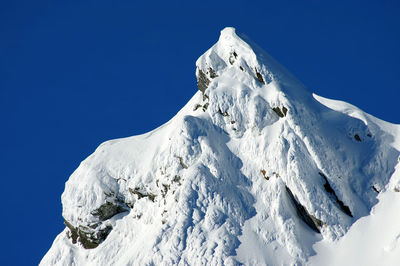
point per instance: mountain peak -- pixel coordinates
(231, 40)
(228, 51)
(235, 52)
(228, 32)
(248, 169)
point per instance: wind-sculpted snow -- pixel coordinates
(254, 170)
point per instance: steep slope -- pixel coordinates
(254, 169)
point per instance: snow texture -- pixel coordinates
(254, 169)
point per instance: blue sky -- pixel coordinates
(76, 73)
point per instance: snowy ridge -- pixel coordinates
(254, 170)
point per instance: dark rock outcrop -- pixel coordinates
(88, 237)
(232, 58)
(259, 77)
(109, 209)
(212, 73)
(223, 113)
(202, 81)
(330, 190)
(279, 112)
(91, 235)
(141, 194)
(313, 222)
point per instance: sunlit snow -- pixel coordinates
(225, 180)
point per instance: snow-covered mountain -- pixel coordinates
(254, 169)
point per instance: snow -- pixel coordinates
(372, 240)
(211, 185)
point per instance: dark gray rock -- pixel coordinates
(109, 209)
(313, 222)
(278, 111)
(137, 191)
(259, 77)
(223, 113)
(284, 110)
(202, 81)
(205, 107)
(91, 235)
(212, 73)
(332, 192)
(88, 237)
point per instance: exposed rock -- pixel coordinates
(276, 174)
(212, 73)
(73, 232)
(140, 194)
(313, 222)
(165, 189)
(205, 107)
(232, 58)
(91, 235)
(278, 111)
(264, 174)
(89, 238)
(197, 106)
(109, 209)
(181, 162)
(202, 81)
(357, 137)
(223, 113)
(259, 77)
(284, 110)
(330, 190)
(177, 179)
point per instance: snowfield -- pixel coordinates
(253, 170)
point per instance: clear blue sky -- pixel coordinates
(76, 73)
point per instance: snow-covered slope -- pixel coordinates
(254, 169)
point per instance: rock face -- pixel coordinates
(254, 169)
(202, 81)
(314, 223)
(91, 233)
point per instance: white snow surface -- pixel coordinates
(220, 171)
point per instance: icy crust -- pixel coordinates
(253, 170)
